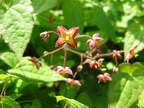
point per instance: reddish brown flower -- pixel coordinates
(116, 54)
(34, 60)
(67, 36)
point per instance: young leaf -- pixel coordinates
(7, 102)
(17, 26)
(104, 24)
(126, 86)
(134, 36)
(26, 70)
(73, 14)
(9, 58)
(40, 6)
(71, 102)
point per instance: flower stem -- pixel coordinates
(65, 55)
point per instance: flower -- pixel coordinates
(94, 41)
(44, 36)
(67, 36)
(34, 60)
(92, 63)
(131, 53)
(73, 82)
(62, 70)
(115, 69)
(104, 77)
(116, 54)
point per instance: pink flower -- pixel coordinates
(34, 60)
(90, 62)
(116, 54)
(62, 70)
(73, 82)
(104, 77)
(99, 63)
(94, 41)
(131, 53)
(66, 36)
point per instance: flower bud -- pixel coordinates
(44, 36)
(79, 68)
(115, 70)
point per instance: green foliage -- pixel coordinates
(126, 87)
(119, 23)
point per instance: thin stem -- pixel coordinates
(80, 36)
(4, 88)
(65, 55)
(52, 52)
(51, 59)
(52, 32)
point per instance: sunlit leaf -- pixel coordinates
(126, 86)
(7, 102)
(26, 70)
(17, 26)
(71, 103)
(9, 58)
(134, 36)
(141, 100)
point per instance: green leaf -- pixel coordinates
(126, 86)
(141, 100)
(17, 26)
(26, 70)
(9, 58)
(134, 36)
(71, 102)
(7, 102)
(104, 24)
(40, 6)
(85, 99)
(68, 91)
(36, 104)
(73, 14)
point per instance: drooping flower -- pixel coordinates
(94, 41)
(67, 36)
(73, 82)
(131, 53)
(62, 70)
(90, 62)
(99, 63)
(44, 36)
(116, 54)
(34, 60)
(104, 77)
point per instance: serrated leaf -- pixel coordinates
(141, 100)
(7, 102)
(26, 70)
(134, 36)
(9, 58)
(17, 26)
(71, 103)
(85, 99)
(126, 86)
(40, 6)
(104, 24)
(73, 14)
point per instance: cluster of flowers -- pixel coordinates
(68, 37)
